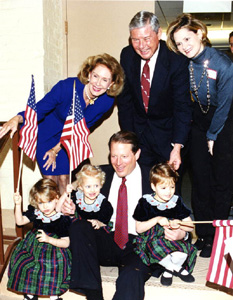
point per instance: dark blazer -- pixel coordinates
(109, 171)
(170, 107)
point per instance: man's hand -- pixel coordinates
(174, 234)
(175, 158)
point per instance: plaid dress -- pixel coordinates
(41, 268)
(151, 245)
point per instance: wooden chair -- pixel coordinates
(14, 240)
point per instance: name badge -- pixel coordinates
(212, 74)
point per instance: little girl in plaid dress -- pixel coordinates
(152, 214)
(41, 263)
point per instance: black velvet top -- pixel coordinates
(100, 210)
(57, 224)
(148, 207)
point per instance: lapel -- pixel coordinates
(160, 73)
(109, 171)
(136, 70)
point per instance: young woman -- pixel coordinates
(211, 84)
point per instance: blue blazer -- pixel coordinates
(170, 107)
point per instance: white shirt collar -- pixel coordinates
(151, 63)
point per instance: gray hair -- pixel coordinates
(143, 18)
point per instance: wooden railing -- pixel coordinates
(12, 241)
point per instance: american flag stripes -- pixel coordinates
(74, 137)
(28, 133)
(221, 264)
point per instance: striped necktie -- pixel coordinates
(145, 84)
(121, 227)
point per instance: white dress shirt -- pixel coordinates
(134, 193)
(151, 63)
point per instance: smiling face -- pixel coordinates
(91, 188)
(123, 159)
(48, 208)
(164, 190)
(145, 41)
(100, 79)
(188, 42)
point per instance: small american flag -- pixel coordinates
(28, 133)
(74, 137)
(221, 265)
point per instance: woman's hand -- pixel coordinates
(11, 125)
(51, 159)
(42, 237)
(210, 144)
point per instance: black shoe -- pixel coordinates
(166, 281)
(185, 278)
(200, 243)
(35, 297)
(206, 250)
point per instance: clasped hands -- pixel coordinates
(171, 224)
(172, 230)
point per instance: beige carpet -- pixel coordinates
(179, 289)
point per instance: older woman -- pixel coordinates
(99, 81)
(211, 83)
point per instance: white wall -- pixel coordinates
(32, 42)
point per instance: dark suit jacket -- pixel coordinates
(170, 107)
(109, 171)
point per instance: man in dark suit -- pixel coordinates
(163, 124)
(91, 248)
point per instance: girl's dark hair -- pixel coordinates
(162, 172)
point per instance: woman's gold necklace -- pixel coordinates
(196, 88)
(91, 101)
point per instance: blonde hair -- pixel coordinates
(89, 170)
(112, 64)
(189, 22)
(46, 188)
(163, 172)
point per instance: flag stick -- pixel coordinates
(195, 222)
(20, 169)
(72, 135)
